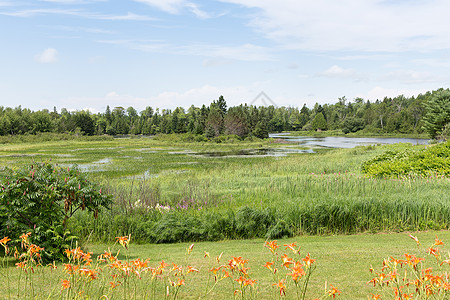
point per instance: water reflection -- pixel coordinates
(344, 142)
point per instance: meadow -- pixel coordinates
(169, 189)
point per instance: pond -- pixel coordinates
(343, 142)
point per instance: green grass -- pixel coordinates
(321, 193)
(316, 197)
(342, 261)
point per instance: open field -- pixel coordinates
(342, 261)
(169, 190)
(233, 196)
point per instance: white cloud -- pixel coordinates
(214, 62)
(75, 12)
(234, 95)
(370, 25)
(129, 16)
(48, 56)
(197, 11)
(433, 62)
(336, 71)
(73, 1)
(5, 3)
(176, 6)
(409, 76)
(245, 52)
(170, 6)
(379, 93)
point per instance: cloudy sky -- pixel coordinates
(86, 54)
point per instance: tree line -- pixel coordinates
(429, 112)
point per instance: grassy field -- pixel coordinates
(239, 196)
(342, 261)
(168, 189)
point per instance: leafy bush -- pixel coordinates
(40, 198)
(433, 160)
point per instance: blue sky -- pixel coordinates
(86, 54)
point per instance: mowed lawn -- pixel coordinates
(342, 261)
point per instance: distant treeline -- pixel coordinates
(390, 115)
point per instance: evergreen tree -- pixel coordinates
(319, 122)
(437, 113)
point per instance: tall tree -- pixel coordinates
(437, 113)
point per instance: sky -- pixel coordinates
(87, 54)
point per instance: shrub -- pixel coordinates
(433, 160)
(41, 198)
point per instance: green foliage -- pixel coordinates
(353, 125)
(433, 160)
(252, 222)
(437, 113)
(391, 115)
(319, 122)
(41, 198)
(261, 131)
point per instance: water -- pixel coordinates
(343, 142)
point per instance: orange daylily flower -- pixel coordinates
(434, 251)
(413, 260)
(438, 242)
(22, 265)
(292, 246)
(124, 240)
(92, 274)
(139, 264)
(175, 267)
(192, 269)
(215, 270)
(4, 240)
(272, 246)
(189, 250)
(297, 272)
(226, 274)
(281, 286)
(236, 262)
(24, 238)
(415, 239)
(240, 280)
(219, 257)
(268, 265)
(250, 282)
(333, 291)
(65, 284)
(163, 265)
(308, 261)
(287, 261)
(180, 282)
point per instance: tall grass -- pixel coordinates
(164, 193)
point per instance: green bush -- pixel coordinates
(40, 198)
(433, 160)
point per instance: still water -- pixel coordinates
(343, 142)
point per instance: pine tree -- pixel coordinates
(437, 113)
(319, 122)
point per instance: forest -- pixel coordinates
(425, 113)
